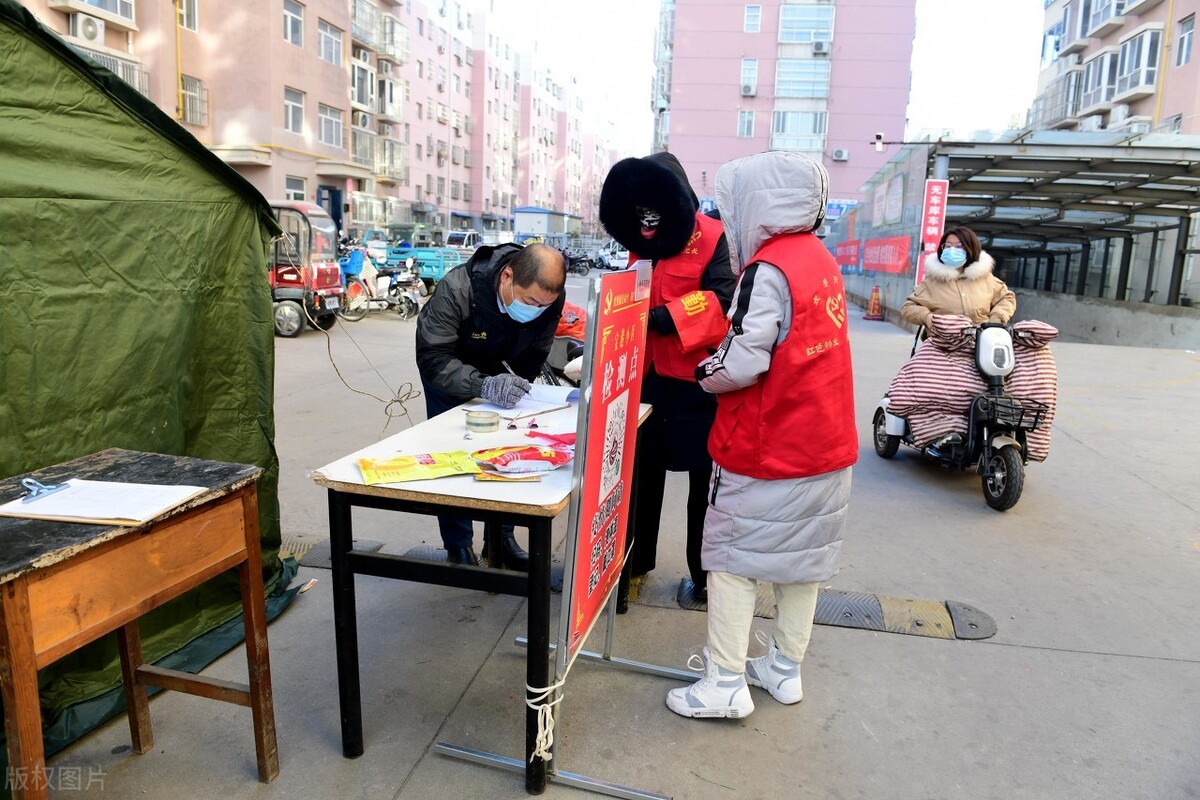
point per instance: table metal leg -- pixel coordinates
(345, 625)
(537, 664)
(26, 777)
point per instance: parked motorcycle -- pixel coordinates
(379, 288)
(996, 429)
(578, 262)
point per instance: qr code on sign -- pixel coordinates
(615, 426)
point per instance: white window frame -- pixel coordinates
(195, 100)
(801, 77)
(1102, 11)
(189, 14)
(752, 19)
(293, 22)
(745, 129)
(799, 23)
(798, 130)
(1099, 81)
(290, 190)
(1183, 45)
(332, 126)
(1137, 65)
(330, 43)
(293, 112)
(750, 72)
(122, 8)
(362, 85)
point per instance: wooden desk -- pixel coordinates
(63, 585)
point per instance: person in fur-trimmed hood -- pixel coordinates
(959, 280)
(647, 204)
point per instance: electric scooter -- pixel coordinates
(997, 425)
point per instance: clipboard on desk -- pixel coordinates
(98, 502)
(541, 399)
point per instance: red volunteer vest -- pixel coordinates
(671, 281)
(798, 419)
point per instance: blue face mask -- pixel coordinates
(953, 256)
(522, 312)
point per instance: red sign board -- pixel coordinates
(933, 220)
(886, 255)
(846, 253)
(605, 446)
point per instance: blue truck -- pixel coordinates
(432, 263)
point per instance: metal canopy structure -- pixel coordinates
(1042, 191)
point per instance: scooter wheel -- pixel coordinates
(1003, 478)
(886, 444)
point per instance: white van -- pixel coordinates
(613, 255)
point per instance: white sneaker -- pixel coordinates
(720, 693)
(776, 673)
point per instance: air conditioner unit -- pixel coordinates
(749, 90)
(361, 54)
(360, 119)
(1118, 114)
(821, 48)
(841, 154)
(385, 67)
(441, 48)
(385, 129)
(1093, 123)
(87, 27)
(822, 231)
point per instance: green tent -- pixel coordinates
(135, 313)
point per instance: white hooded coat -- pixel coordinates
(787, 530)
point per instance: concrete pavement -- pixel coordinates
(1090, 688)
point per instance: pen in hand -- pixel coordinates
(504, 364)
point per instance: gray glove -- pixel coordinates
(504, 390)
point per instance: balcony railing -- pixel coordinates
(393, 40)
(128, 71)
(1058, 104)
(365, 23)
(362, 147)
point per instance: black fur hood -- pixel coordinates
(656, 182)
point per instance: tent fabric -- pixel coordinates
(135, 310)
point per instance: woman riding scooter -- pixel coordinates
(959, 280)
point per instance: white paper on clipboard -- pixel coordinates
(542, 399)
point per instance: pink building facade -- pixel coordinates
(393, 114)
(820, 78)
(1122, 65)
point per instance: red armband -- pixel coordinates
(699, 320)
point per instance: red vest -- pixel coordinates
(797, 420)
(672, 279)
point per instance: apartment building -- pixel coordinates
(820, 77)
(1119, 65)
(392, 114)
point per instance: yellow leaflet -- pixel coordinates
(417, 467)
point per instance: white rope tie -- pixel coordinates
(540, 703)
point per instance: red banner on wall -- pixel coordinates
(846, 253)
(933, 220)
(606, 446)
(886, 255)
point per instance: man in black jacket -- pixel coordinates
(497, 311)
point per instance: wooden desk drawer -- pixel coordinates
(85, 597)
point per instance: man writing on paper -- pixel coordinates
(497, 311)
